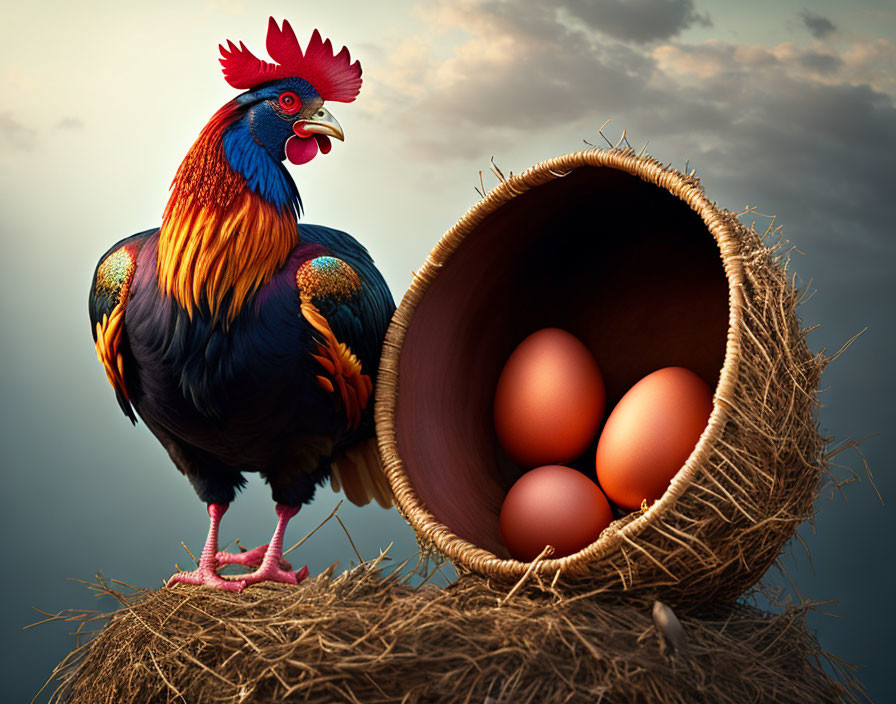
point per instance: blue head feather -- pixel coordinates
(254, 145)
(264, 176)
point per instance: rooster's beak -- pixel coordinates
(322, 122)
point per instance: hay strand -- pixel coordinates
(365, 636)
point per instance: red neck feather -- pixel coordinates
(219, 239)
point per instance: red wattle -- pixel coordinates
(324, 143)
(301, 151)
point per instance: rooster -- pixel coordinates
(245, 341)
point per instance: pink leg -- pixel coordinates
(205, 573)
(269, 570)
(247, 558)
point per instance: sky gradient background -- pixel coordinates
(779, 107)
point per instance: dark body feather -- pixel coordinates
(242, 396)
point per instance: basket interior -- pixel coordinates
(622, 264)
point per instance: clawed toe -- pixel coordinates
(248, 558)
(275, 574)
(209, 578)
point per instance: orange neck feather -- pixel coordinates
(218, 239)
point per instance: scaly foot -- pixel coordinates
(205, 574)
(275, 574)
(248, 558)
(269, 570)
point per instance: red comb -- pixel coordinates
(334, 77)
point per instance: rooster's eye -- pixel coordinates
(290, 102)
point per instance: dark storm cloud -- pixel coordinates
(544, 88)
(769, 125)
(525, 20)
(14, 135)
(818, 25)
(638, 20)
(757, 121)
(819, 152)
(821, 63)
(551, 74)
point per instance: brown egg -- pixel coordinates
(552, 505)
(650, 434)
(550, 399)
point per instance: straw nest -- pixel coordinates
(753, 476)
(365, 638)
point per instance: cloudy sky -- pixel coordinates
(780, 106)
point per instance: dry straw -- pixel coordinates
(753, 476)
(364, 638)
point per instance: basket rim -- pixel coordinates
(429, 530)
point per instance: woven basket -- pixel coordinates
(631, 257)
